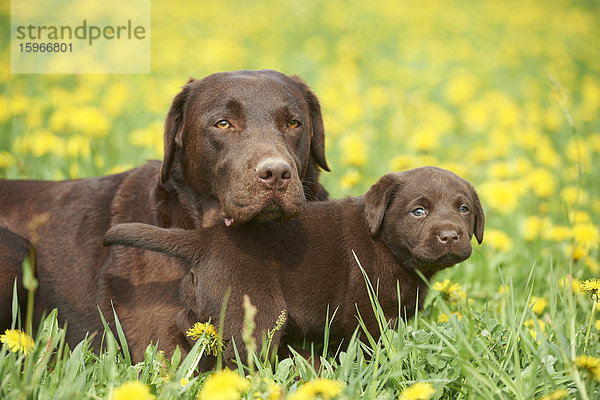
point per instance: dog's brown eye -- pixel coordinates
(463, 209)
(293, 124)
(223, 124)
(418, 212)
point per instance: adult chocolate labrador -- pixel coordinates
(238, 146)
(418, 220)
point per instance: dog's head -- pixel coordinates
(250, 139)
(426, 215)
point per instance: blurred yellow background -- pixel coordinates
(504, 93)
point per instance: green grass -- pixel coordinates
(487, 353)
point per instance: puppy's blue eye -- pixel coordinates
(418, 212)
(463, 209)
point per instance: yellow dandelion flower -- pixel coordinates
(532, 328)
(547, 156)
(537, 304)
(425, 138)
(579, 152)
(150, 137)
(224, 385)
(543, 182)
(39, 143)
(476, 116)
(350, 179)
(586, 235)
(579, 217)
(115, 98)
(556, 395)
(502, 196)
(6, 159)
(529, 137)
(324, 388)
(573, 194)
(351, 111)
(267, 390)
(575, 283)
(18, 104)
(134, 390)
(461, 88)
(17, 341)
(354, 150)
(508, 112)
(589, 364)
(453, 291)
(88, 121)
(597, 324)
(418, 391)
(444, 318)
(576, 252)
(184, 381)
(209, 335)
(77, 146)
(498, 240)
(534, 226)
(591, 286)
(500, 170)
(558, 233)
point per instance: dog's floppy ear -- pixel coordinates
(173, 135)
(377, 199)
(180, 243)
(317, 143)
(479, 216)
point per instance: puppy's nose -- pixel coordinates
(448, 236)
(274, 173)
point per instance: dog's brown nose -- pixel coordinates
(448, 236)
(274, 173)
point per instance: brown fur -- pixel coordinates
(306, 266)
(13, 250)
(260, 168)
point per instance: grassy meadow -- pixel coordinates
(504, 93)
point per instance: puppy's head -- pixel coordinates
(425, 216)
(254, 140)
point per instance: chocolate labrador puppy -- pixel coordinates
(238, 146)
(418, 220)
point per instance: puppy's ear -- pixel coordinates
(377, 200)
(180, 243)
(173, 135)
(479, 216)
(317, 143)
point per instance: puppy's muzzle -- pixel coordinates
(448, 236)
